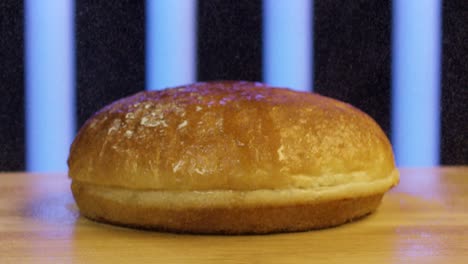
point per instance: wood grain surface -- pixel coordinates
(422, 220)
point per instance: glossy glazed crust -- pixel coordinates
(261, 218)
(229, 136)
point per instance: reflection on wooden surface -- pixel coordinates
(424, 219)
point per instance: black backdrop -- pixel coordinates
(352, 60)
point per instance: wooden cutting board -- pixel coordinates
(423, 220)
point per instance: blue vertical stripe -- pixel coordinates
(287, 56)
(50, 113)
(170, 43)
(416, 82)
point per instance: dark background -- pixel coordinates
(352, 60)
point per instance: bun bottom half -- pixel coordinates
(226, 212)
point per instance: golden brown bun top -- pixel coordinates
(229, 136)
